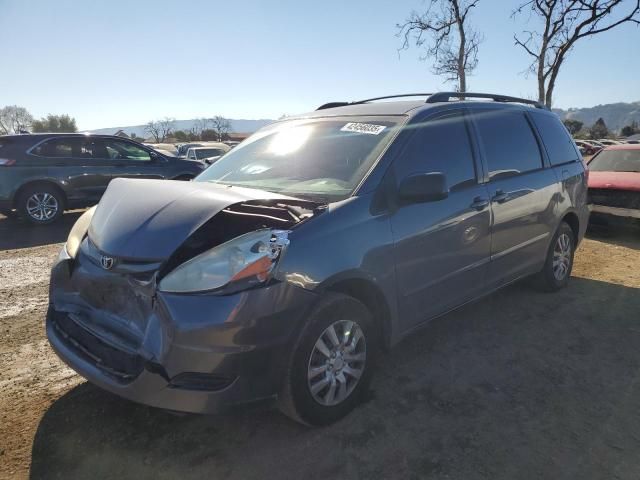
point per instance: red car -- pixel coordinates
(614, 181)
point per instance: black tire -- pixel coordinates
(296, 399)
(548, 279)
(51, 197)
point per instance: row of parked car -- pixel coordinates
(207, 152)
(591, 147)
(42, 175)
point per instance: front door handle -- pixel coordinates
(479, 203)
(500, 196)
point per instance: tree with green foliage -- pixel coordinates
(599, 129)
(631, 129)
(574, 126)
(55, 124)
(180, 135)
(209, 135)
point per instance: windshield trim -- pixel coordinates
(398, 128)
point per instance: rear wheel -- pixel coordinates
(559, 263)
(41, 204)
(332, 362)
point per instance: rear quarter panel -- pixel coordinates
(573, 193)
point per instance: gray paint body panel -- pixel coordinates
(422, 260)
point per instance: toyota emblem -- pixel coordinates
(106, 262)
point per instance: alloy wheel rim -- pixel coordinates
(337, 362)
(562, 257)
(42, 206)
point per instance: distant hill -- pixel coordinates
(238, 126)
(615, 115)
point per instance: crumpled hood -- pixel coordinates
(615, 180)
(150, 219)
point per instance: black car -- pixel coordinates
(41, 175)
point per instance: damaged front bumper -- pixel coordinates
(194, 353)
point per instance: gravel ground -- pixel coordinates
(518, 385)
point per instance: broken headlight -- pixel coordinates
(247, 260)
(78, 231)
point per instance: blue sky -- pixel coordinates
(124, 62)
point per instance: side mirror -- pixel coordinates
(424, 187)
(156, 157)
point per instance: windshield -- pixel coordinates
(319, 159)
(616, 161)
(208, 152)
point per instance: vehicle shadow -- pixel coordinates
(16, 233)
(623, 233)
(519, 385)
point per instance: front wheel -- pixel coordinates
(559, 262)
(41, 205)
(332, 362)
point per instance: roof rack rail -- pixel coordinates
(446, 96)
(358, 102)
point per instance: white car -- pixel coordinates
(207, 154)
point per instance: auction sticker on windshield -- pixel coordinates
(363, 128)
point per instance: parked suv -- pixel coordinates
(283, 269)
(41, 175)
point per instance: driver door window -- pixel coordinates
(430, 279)
(119, 150)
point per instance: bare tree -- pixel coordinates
(444, 31)
(199, 125)
(222, 127)
(153, 129)
(14, 119)
(160, 129)
(564, 22)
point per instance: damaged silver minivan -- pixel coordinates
(284, 268)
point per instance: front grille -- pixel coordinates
(614, 198)
(122, 366)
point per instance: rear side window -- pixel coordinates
(555, 138)
(440, 144)
(509, 144)
(86, 148)
(126, 151)
(58, 147)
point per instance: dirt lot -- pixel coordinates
(519, 385)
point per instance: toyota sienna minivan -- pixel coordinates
(284, 269)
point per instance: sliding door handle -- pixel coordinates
(480, 203)
(500, 197)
